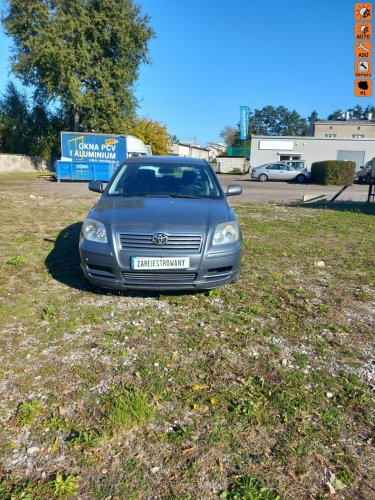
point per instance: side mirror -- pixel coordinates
(234, 189)
(96, 186)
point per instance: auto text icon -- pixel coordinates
(363, 50)
(363, 31)
(363, 68)
(363, 11)
(363, 88)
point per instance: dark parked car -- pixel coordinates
(162, 223)
(364, 176)
(279, 172)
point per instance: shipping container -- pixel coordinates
(89, 156)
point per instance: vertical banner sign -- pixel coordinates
(244, 122)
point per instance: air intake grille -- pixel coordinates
(159, 277)
(175, 242)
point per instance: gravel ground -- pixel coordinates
(252, 190)
(288, 191)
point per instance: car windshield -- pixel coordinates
(177, 180)
(296, 165)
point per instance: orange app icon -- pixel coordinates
(363, 11)
(363, 88)
(363, 68)
(363, 50)
(363, 31)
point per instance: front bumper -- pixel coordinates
(101, 266)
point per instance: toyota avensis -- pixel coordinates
(162, 223)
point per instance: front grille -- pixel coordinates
(175, 242)
(160, 277)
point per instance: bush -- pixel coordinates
(336, 172)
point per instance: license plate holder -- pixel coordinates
(159, 263)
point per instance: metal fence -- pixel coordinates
(239, 151)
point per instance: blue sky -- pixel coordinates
(210, 57)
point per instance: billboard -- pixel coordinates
(244, 122)
(85, 147)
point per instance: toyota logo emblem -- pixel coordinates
(160, 239)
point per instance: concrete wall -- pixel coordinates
(22, 163)
(227, 164)
(266, 149)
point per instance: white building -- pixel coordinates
(268, 149)
(190, 150)
(215, 149)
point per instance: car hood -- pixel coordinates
(143, 214)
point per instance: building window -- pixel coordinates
(358, 136)
(330, 135)
(289, 157)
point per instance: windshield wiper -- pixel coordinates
(156, 195)
(179, 195)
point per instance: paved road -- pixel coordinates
(287, 191)
(252, 190)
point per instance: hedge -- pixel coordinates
(335, 172)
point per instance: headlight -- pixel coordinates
(94, 230)
(226, 233)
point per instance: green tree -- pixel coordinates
(276, 121)
(44, 130)
(369, 109)
(154, 134)
(357, 113)
(336, 115)
(82, 54)
(313, 118)
(14, 121)
(230, 135)
(27, 126)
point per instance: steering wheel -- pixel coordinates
(191, 189)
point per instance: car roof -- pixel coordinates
(272, 163)
(166, 160)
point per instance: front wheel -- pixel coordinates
(263, 178)
(301, 179)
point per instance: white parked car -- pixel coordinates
(280, 172)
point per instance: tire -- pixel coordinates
(263, 178)
(301, 179)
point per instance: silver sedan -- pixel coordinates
(279, 172)
(162, 223)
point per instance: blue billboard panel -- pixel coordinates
(84, 147)
(244, 122)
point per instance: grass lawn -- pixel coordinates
(259, 390)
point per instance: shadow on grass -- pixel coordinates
(63, 261)
(63, 264)
(342, 206)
